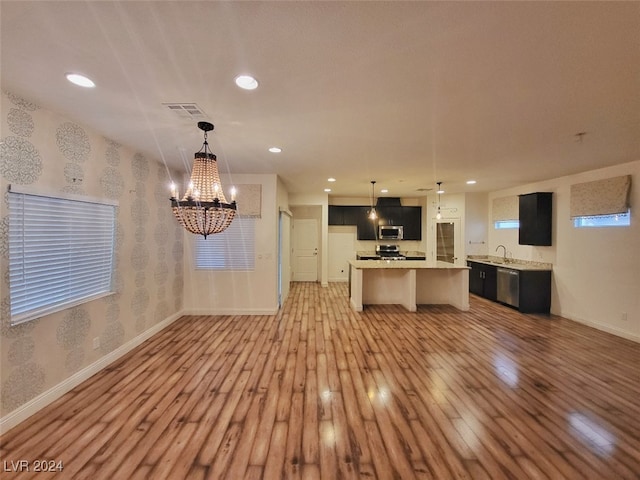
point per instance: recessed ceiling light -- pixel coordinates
(327, 190)
(80, 80)
(384, 190)
(471, 182)
(275, 149)
(331, 179)
(246, 82)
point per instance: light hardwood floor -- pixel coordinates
(319, 391)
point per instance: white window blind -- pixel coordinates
(232, 249)
(60, 253)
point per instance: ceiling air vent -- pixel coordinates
(186, 110)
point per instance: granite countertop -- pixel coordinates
(404, 264)
(512, 264)
(406, 253)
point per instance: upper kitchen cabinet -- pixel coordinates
(367, 229)
(412, 223)
(336, 214)
(535, 218)
(409, 217)
(346, 214)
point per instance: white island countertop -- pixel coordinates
(408, 283)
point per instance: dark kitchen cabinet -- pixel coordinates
(389, 215)
(367, 228)
(354, 214)
(412, 223)
(535, 291)
(347, 214)
(535, 218)
(409, 217)
(483, 280)
(336, 214)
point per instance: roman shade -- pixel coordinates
(505, 208)
(249, 198)
(600, 197)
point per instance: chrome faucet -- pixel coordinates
(504, 256)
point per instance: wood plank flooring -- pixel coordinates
(321, 392)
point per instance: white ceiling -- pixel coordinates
(404, 93)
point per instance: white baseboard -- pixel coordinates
(338, 279)
(604, 328)
(38, 403)
(232, 311)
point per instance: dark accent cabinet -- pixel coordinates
(535, 211)
(483, 280)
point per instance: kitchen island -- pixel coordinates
(407, 282)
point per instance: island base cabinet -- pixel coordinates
(380, 283)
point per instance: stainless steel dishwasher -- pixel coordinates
(508, 287)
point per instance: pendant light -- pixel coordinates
(439, 214)
(204, 209)
(372, 213)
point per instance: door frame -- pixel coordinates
(458, 246)
(284, 255)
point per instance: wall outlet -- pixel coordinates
(96, 343)
(624, 316)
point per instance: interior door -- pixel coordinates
(448, 241)
(305, 250)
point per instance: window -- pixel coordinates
(232, 249)
(617, 220)
(60, 253)
(506, 224)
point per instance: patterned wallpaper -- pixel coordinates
(42, 149)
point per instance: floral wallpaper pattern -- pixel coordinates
(20, 161)
(45, 150)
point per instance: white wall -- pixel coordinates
(342, 248)
(596, 271)
(235, 292)
(476, 224)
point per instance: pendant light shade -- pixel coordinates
(373, 215)
(204, 209)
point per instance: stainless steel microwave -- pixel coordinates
(390, 232)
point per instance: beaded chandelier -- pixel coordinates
(204, 209)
